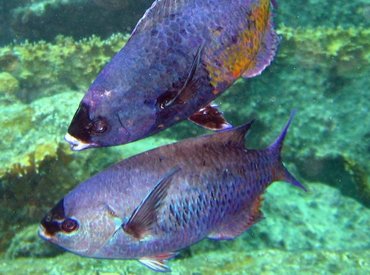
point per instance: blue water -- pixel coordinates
(50, 51)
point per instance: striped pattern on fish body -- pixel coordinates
(181, 56)
(151, 205)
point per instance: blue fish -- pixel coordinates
(181, 55)
(150, 206)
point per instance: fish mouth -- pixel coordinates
(76, 144)
(43, 234)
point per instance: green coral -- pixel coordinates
(340, 42)
(44, 69)
(349, 48)
(8, 84)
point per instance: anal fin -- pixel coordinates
(158, 262)
(211, 118)
(239, 223)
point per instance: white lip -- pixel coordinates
(77, 145)
(42, 233)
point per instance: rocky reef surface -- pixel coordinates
(322, 72)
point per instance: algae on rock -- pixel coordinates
(44, 69)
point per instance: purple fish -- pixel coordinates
(151, 205)
(181, 55)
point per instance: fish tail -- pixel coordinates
(280, 172)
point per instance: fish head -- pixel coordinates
(102, 122)
(78, 228)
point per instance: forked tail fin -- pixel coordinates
(281, 173)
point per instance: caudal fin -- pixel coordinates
(281, 172)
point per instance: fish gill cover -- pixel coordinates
(321, 69)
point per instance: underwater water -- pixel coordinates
(50, 52)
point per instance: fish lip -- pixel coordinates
(42, 233)
(76, 144)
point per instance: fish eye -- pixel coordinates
(69, 225)
(99, 126)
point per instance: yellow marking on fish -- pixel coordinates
(238, 58)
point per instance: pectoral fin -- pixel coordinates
(145, 215)
(210, 118)
(188, 88)
(158, 262)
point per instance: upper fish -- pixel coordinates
(181, 55)
(151, 205)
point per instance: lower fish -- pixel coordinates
(150, 206)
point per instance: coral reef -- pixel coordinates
(316, 71)
(43, 69)
(8, 83)
(347, 48)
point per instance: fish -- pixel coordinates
(181, 55)
(150, 206)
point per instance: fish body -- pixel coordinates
(181, 55)
(152, 205)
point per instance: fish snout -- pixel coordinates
(76, 144)
(43, 233)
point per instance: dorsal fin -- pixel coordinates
(159, 10)
(234, 135)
